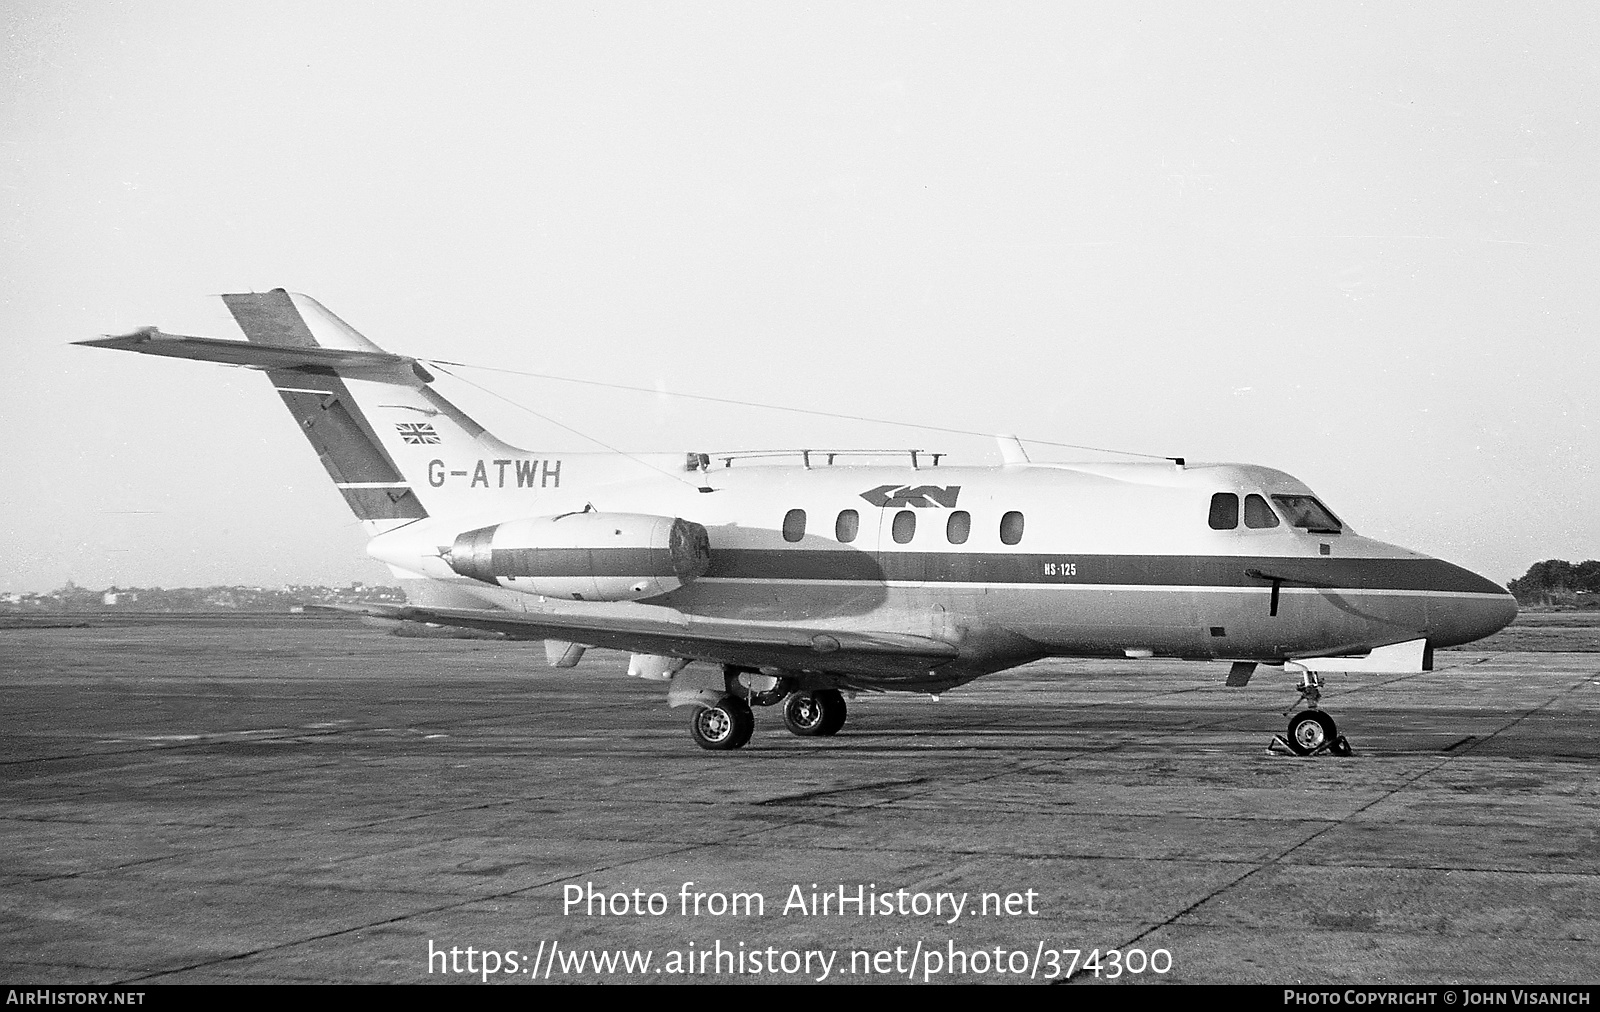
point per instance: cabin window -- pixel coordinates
(794, 525)
(847, 526)
(905, 525)
(958, 527)
(1224, 511)
(1307, 513)
(1011, 528)
(1257, 514)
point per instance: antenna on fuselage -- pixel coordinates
(700, 463)
(1011, 450)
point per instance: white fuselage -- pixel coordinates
(1093, 560)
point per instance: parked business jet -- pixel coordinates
(813, 574)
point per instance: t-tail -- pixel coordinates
(396, 449)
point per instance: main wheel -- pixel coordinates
(814, 714)
(833, 703)
(1310, 730)
(727, 724)
(803, 714)
(746, 724)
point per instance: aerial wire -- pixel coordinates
(543, 417)
(441, 363)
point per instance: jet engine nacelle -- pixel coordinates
(585, 556)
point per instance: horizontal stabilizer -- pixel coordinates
(377, 366)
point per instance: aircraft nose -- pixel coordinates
(1504, 613)
(1476, 607)
(1489, 616)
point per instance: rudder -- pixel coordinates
(326, 412)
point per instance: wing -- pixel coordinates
(872, 659)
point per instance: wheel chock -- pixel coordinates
(1339, 746)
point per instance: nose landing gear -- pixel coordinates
(1311, 731)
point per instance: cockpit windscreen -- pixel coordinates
(1307, 513)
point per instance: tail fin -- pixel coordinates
(395, 448)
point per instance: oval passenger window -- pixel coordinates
(958, 527)
(1011, 528)
(905, 525)
(794, 525)
(846, 527)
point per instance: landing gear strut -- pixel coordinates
(1312, 731)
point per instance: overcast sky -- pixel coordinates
(1357, 243)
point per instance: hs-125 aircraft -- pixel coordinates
(813, 574)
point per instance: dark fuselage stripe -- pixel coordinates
(581, 562)
(1067, 569)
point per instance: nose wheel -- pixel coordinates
(1311, 731)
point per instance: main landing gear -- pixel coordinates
(1311, 731)
(729, 722)
(814, 714)
(725, 724)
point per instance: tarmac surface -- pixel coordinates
(295, 799)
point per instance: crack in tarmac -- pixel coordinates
(1278, 860)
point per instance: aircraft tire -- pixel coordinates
(747, 724)
(833, 705)
(1310, 730)
(814, 714)
(804, 714)
(726, 725)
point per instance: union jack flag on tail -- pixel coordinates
(417, 432)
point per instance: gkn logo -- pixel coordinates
(894, 496)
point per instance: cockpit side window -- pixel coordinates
(1257, 514)
(1224, 511)
(1307, 513)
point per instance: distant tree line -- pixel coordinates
(1557, 581)
(73, 598)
